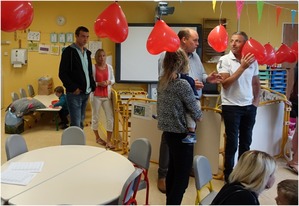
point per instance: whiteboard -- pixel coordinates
(134, 64)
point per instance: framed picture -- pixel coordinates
(55, 50)
(70, 37)
(44, 49)
(33, 46)
(61, 38)
(53, 38)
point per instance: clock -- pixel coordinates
(60, 20)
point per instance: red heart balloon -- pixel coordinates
(285, 54)
(254, 47)
(294, 47)
(270, 58)
(112, 23)
(218, 38)
(162, 38)
(16, 15)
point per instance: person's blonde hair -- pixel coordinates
(173, 63)
(253, 170)
(289, 189)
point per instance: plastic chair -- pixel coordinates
(203, 178)
(73, 135)
(31, 92)
(139, 155)
(14, 96)
(15, 145)
(23, 93)
(130, 188)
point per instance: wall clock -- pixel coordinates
(60, 20)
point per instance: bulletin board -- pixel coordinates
(133, 63)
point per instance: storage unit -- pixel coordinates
(275, 79)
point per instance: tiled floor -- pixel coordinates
(43, 134)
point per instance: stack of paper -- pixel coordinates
(21, 173)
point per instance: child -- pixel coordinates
(63, 113)
(191, 124)
(287, 192)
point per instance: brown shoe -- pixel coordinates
(162, 185)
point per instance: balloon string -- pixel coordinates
(220, 12)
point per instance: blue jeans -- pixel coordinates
(77, 106)
(238, 122)
(180, 165)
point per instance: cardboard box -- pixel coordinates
(45, 85)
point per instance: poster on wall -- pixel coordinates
(93, 46)
(55, 50)
(33, 46)
(44, 49)
(141, 110)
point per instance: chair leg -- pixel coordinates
(147, 191)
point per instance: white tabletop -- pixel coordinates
(96, 180)
(56, 160)
(47, 101)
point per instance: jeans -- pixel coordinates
(163, 158)
(238, 122)
(180, 165)
(77, 106)
(63, 116)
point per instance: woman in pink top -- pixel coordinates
(101, 97)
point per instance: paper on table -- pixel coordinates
(26, 166)
(16, 177)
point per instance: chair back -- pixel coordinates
(140, 152)
(23, 93)
(14, 96)
(31, 92)
(15, 145)
(203, 177)
(130, 188)
(73, 135)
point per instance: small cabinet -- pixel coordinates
(209, 54)
(274, 79)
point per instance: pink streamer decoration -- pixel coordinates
(239, 4)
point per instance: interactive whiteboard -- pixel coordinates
(134, 64)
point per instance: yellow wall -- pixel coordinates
(85, 13)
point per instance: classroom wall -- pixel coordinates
(85, 13)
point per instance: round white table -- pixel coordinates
(72, 174)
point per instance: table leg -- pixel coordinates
(56, 120)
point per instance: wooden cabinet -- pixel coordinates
(209, 52)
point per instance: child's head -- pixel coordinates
(287, 192)
(59, 91)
